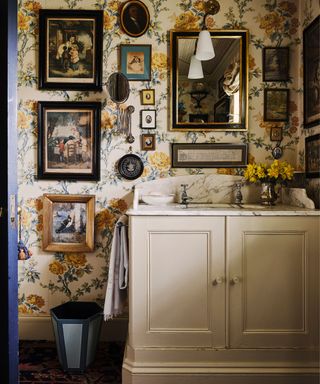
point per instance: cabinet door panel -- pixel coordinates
(172, 299)
(274, 302)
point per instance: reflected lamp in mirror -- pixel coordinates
(195, 69)
(225, 76)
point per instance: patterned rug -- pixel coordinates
(39, 364)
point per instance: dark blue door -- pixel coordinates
(8, 194)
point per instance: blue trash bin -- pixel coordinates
(76, 326)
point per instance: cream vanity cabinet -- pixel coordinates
(219, 294)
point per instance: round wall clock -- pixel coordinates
(130, 166)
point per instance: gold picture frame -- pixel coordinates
(148, 141)
(147, 96)
(276, 134)
(68, 223)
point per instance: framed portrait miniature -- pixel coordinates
(134, 18)
(311, 74)
(148, 142)
(148, 119)
(276, 104)
(312, 151)
(70, 49)
(135, 61)
(147, 96)
(69, 140)
(275, 64)
(68, 223)
(276, 134)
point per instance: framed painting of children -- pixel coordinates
(70, 49)
(68, 140)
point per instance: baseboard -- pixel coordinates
(40, 328)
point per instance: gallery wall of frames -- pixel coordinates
(73, 177)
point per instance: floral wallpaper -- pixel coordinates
(48, 279)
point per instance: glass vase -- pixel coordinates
(268, 194)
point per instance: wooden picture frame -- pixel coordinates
(312, 156)
(209, 155)
(134, 18)
(147, 96)
(69, 140)
(135, 61)
(148, 142)
(276, 104)
(70, 49)
(311, 74)
(148, 118)
(68, 223)
(276, 133)
(275, 64)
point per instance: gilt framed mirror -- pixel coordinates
(217, 100)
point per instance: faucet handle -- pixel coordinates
(184, 187)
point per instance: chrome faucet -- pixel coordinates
(185, 199)
(239, 197)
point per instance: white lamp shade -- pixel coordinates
(195, 69)
(205, 49)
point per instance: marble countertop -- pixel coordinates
(217, 209)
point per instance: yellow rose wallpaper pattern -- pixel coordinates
(48, 279)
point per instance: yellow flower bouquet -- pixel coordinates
(269, 175)
(277, 172)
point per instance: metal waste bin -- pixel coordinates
(76, 326)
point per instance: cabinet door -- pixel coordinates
(273, 281)
(174, 299)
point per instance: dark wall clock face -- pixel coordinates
(130, 166)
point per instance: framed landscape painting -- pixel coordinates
(68, 223)
(276, 104)
(69, 140)
(312, 150)
(70, 49)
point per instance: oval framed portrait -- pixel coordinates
(134, 18)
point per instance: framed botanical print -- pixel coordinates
(312, 151)
(311, 74)
(69, 140)
(148, 118)
(135, 61)
(70, 49)
(275, 64)
(147, 96)
(276, 104)
(68, 223)
(134, 18)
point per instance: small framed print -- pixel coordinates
(148, 142)
(147, 96)
(70, 49)
(312, 151)
(276, 104)
(276, 134)
(275, 63)
(68, 223)
(134, 18)
(135, 61)
(148, 118)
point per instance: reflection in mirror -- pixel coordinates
(218, 100)
(119, 90)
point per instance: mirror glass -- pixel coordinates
(218, 100)
(118, 87)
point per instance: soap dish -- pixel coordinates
(157, 199)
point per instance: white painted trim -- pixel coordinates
(40, 328)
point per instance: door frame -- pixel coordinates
(9, 346)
